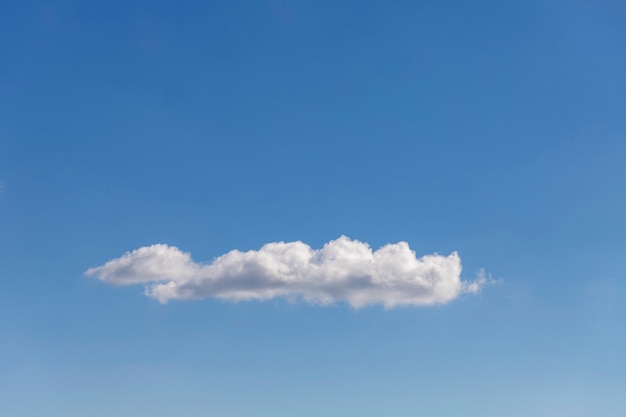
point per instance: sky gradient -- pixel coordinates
(495, 130)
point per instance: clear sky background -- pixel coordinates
(495, 129)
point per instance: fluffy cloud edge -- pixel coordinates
(343, 270)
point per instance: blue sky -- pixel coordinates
(493, 129)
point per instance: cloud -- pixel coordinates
(344, 270)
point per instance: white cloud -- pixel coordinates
(344, 270)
